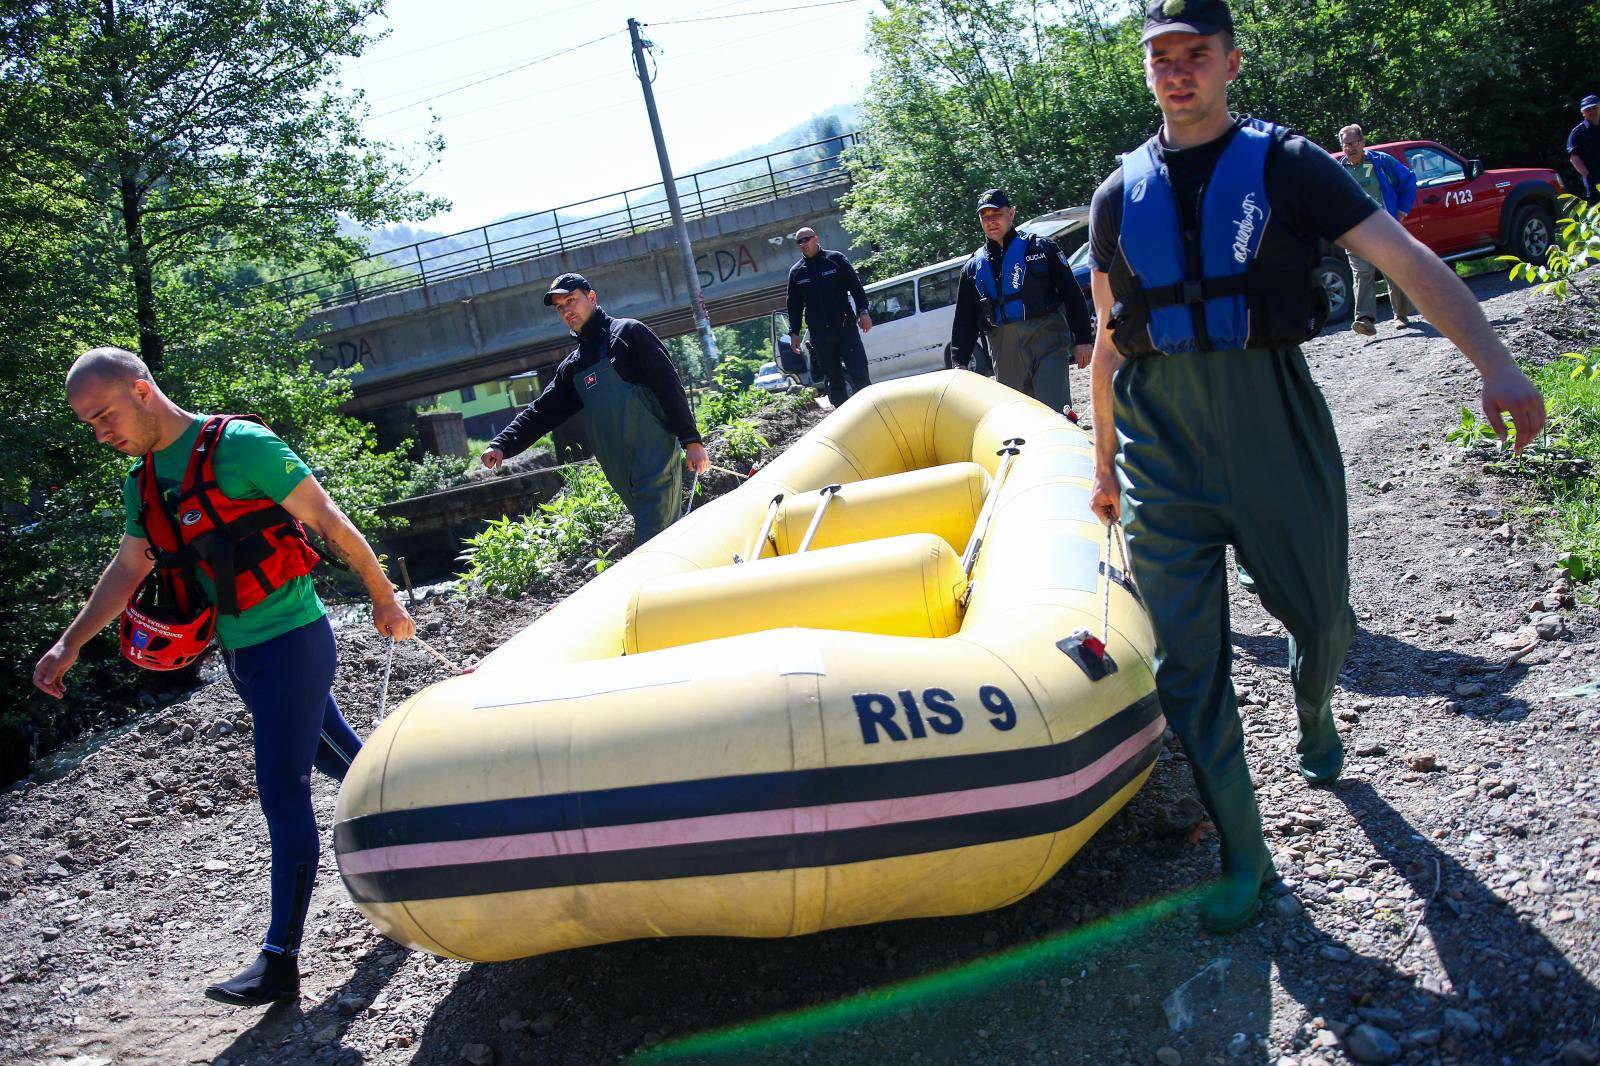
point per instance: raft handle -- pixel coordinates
(760, 542)
(828, 493)
(1007, 452)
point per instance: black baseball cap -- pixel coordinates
(1589, 101)
(994, 198)
(1203, 17)
(567, 283)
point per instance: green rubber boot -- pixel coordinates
(1247, 868)
(1321, 750)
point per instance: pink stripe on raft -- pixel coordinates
(749, 824)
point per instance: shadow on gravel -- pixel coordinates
(1381, 665)
(1528, 998)
(275, 1038)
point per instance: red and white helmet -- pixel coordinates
(156, 636)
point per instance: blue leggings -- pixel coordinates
(286, 683)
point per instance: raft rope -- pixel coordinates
(694, 486)
(383, 688)
(1112, 528)
(388, 661)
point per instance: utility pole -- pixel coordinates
(697, 300)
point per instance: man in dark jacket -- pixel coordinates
(1019, 290)
(822, 285)
(634, 409)
(1583, 147)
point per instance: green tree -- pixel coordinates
(1040, 98)
(175, 131)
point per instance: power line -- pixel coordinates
(671, 55)
(628, 101)
(748, 14)
(521, 66)
(463, 37)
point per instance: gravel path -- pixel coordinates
(1441, 904)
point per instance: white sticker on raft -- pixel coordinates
(789, 651)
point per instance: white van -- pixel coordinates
(912, 312)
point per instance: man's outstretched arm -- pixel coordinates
(1447, 302)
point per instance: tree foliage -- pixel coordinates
(152, 152)
(178, 131)
(1039, 98)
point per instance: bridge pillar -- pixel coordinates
(396, 425)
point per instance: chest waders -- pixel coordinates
(1030, 355)
(628, 431)
(1232, 446)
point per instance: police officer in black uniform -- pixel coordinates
(635, 412)
(822, 285)
(1583, 147)
(1019, 290)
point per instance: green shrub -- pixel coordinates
(744, 439)
(513, 555)
(729, 404)
(1559, 470)
(434, 473)
(1577, 249)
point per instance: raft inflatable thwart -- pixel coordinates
(793, 710)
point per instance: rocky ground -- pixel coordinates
(1441, 904)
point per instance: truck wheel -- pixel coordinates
(1532, 232)
(1333, 274)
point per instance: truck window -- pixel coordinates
(938, 290)
(1433, 167)
(897, 301)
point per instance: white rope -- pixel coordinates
(383, 688)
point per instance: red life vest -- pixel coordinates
(246, 547)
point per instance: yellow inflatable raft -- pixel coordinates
(803, 706)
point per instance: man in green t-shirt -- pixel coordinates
(279, 649)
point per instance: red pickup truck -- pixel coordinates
(1463, 211)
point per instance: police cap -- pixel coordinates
(567, 283)
(1203, 17)
(993, 198)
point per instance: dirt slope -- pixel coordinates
(1441, 906)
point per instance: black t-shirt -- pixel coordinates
(1584, 142)
(1309, 191)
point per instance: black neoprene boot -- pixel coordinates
(271, 978)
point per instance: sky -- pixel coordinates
(527, 128)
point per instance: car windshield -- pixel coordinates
(767, 368)
(1078, 258)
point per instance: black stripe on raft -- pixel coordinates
(671, 800)
(799, 851)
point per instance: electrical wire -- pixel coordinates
(463, 37)
(748, 14)
(629, 73)
(521, 66)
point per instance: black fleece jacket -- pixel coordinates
(639, 359)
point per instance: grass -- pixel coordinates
(1560, 472)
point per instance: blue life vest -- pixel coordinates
(1239, 282)
(1004, 301)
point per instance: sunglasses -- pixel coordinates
(805, 240)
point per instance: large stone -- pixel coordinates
(1460, 1023)
(1368, 1043)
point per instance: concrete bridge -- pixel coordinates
(474, 316)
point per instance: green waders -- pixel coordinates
(628, 431)
(1032, 358)
(1236, 448)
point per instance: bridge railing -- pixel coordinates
(631, 211)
